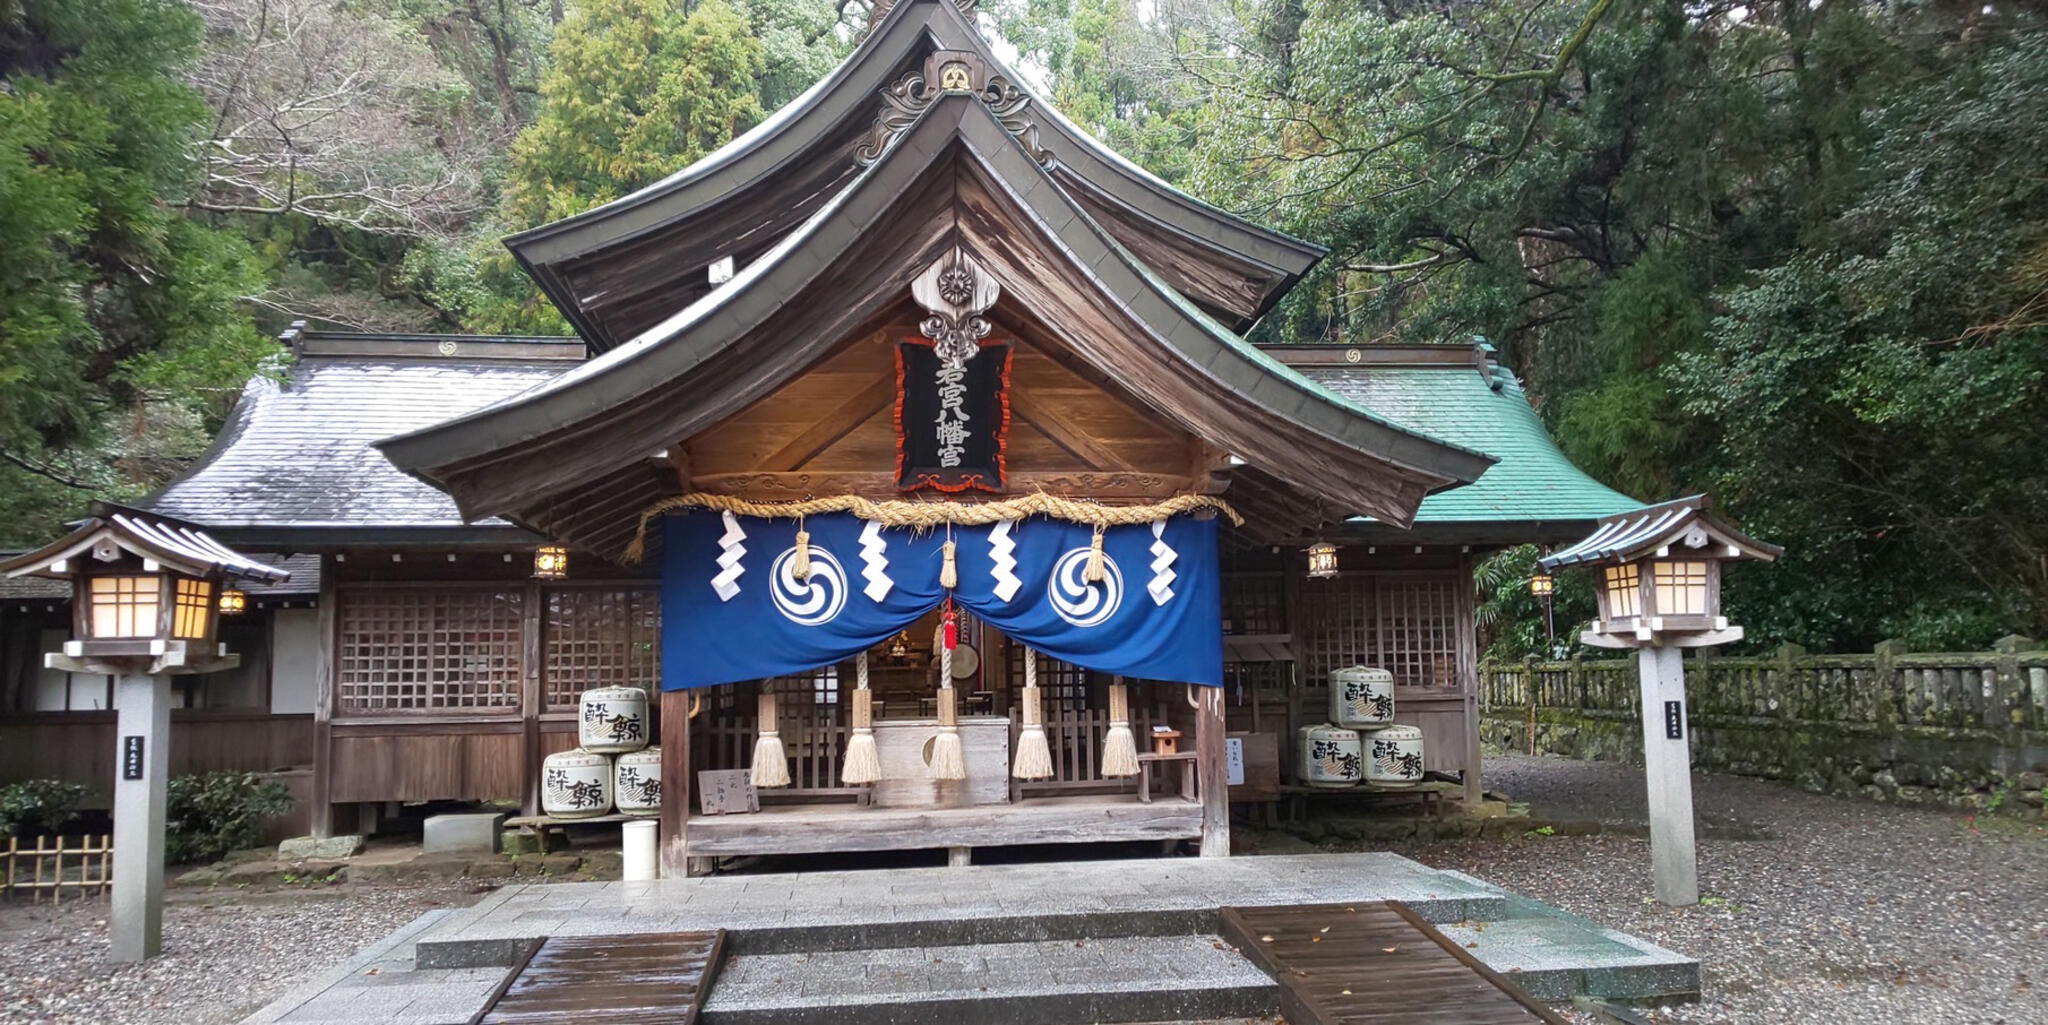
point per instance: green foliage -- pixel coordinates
(1795, 256)
(217, 812)
(39, 805)
(112, 300)
(638, 90)
(1510, 618)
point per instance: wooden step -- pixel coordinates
(1371, 963)
(652, 978)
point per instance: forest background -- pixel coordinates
(1794, 254)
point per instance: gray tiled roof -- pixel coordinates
(297, 453)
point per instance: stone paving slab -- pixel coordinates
(381, 984)
(1555, 956)
(1125, 979)
(935, 906)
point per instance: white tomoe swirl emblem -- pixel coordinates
(1075, 599)
(811, 601)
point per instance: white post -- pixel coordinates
(1667, 762)
(142, 766)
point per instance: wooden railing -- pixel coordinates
(82, 865)
(814, 747)
(1075, 738)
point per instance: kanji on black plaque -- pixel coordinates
(952, 419)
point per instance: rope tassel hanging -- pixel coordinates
(949, 757)
(1034, 755)
(1119, 748)
(771, 765)
(863, 759)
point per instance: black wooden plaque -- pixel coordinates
(951, 424)
(1674, 721)
(131, 757)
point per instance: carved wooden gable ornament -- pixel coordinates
(952, 387)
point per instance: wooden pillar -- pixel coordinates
(321, 817)
(1211, 764)
(531, 700)
(675, 783)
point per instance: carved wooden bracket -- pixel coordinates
(955, 290)
(951, 71)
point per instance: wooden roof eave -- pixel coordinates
(797, 131)
(597, 418)
(1637, 533)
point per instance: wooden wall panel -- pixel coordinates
(428, 762)
(1059, 422)
(79, 746)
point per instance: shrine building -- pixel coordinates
(911, 455)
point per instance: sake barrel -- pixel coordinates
(1330, 756)
(1362, 697)
(614, 720)
(1394, 757)
(576, 784)
(636, 782)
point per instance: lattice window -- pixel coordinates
(1254, 603)
(600, 638)
(1418, 631)
(192, 604)
(1062, 686)
(1338, 626)
(1624, 595)
(1681, 587)
(1407, 625)
(428, 650)
(125, 606)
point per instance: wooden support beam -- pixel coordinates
(531, 701)
(784, 487)
(679, 461)
(1214, 783)
(831, 427)
(675, 783)
(1054, 424)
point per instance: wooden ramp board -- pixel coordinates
(652, 978)
(1374, 963)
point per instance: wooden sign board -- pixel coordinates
(1254, 766)
(727, 792)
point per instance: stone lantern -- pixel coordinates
(1659, 592)
(145, 593)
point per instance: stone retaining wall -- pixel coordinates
(1966, 730)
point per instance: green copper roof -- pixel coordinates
(1456, 403)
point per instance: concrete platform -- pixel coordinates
(1124, 979)
(1063, 941)
(854, 910)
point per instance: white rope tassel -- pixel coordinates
(771, 766)
(1119, 748)
(1034, 755)
(949, 758)
(863, 760)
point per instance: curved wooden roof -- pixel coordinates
(955, 176)
(616, 269)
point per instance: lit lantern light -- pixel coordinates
(1322, 560)
(233, 603)
(1659, 575)
(1542, 584)
(550, 562)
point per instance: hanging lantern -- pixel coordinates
(1322, 560)
(233, 603)
(1542, 584)
(550, 562)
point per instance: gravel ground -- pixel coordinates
(1821, 910)
(225, 955)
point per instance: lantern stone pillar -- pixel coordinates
(142, 767)
(1667, 764)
